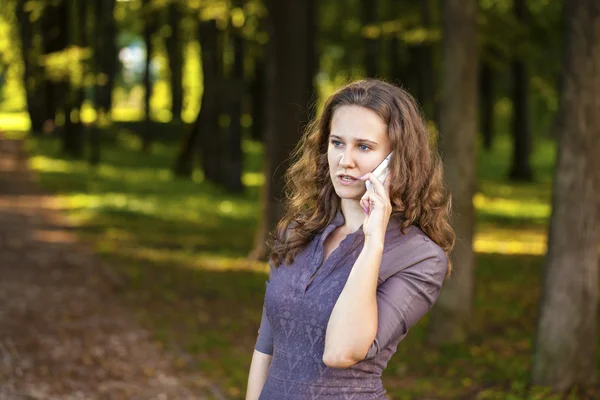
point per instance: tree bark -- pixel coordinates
(290, 83)
(175, 53)
(566, 339)
(184, 164)
(232, 157)
(426, 73)
(520, 169)
(396, 72)
(371, 46)
(208, 118)
(486, 104)
(458, 126)
(101, 34)
(393, 68)
(34, 74)
(55, 38)
(259, 88)
(148, 32)
(106, 49)
(73, 130)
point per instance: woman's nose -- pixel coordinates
(345, 159)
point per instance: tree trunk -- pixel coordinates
(102, 39)
(521, 169)
(175, 53)
(107, 61)
(486, 104)
(396, 74)
(232, 157)
(55, 38)
(148, 31)
(73, 129)
(290, 83)
(259, 88)
(458, 126)
(184, 164)
(426, 74)
(208, 118)
(34, 74)
(371, 45)
(566, 340)
(313, 63)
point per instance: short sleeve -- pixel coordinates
(406, 296)
(264, 341)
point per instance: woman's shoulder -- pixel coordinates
(412, 249)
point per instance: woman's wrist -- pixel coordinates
(373, 244)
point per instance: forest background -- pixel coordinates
(164, 128)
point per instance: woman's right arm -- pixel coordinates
(261, 358)
(259, 369)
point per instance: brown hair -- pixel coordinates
(417, 191)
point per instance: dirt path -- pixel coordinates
(63, 334)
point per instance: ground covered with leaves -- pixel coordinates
(63, 332)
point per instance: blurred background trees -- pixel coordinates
(208, 97)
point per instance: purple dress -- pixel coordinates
(296, 312)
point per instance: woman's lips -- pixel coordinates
(347, 182)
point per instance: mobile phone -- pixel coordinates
(380, 172)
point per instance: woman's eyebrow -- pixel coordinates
(356, 140)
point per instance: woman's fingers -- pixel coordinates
(379, 196)
(378, 187)
(371, 200)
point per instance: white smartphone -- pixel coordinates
(380, 172)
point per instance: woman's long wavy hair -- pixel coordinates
(417, 191)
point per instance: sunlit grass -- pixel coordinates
(492, 239)
(14, 121)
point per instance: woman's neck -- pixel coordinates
(354, 215)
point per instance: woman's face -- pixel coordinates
(358, 142)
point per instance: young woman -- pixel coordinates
(351, 269)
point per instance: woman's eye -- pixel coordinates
(335, 142)
(364, 147)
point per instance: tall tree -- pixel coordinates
(34, 73)
(55, 38)
(391, 42)
(567, 328)
(149, 28)
(486, 102)
(105, 49)
(258, 102)
(290, 78)
(371, 44)
(458, 127)
(72, 143)
(258, 81)
(425, 62)
(232, 157)
(521, 168)
(207, 117)
(184, 163)
(175, 53)
(207, 122)
(101, 32)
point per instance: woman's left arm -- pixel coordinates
(352, 325)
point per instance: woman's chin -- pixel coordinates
(348, 193)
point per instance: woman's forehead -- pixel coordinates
(358, 123)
